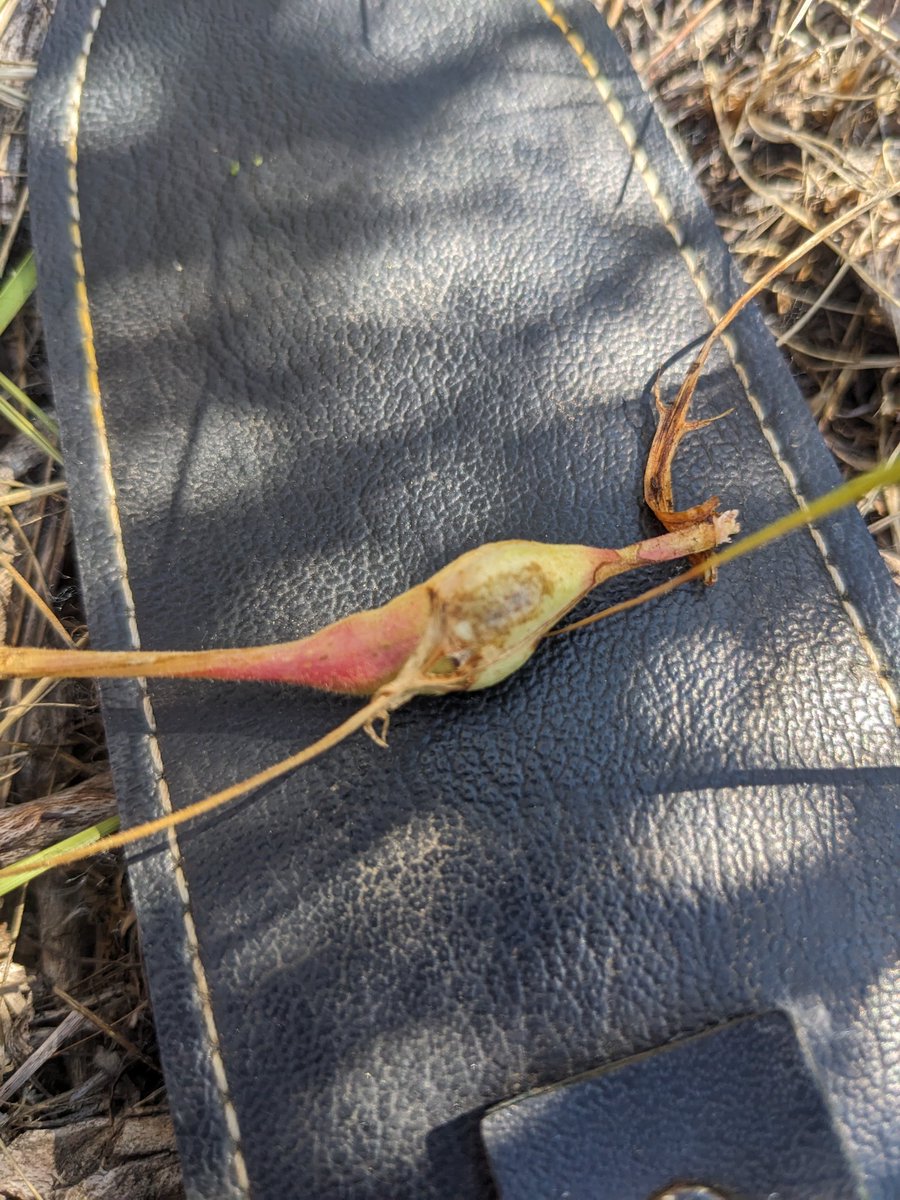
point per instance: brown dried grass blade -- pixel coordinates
(377, 707)
(674, 422)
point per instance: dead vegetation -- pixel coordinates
(82, 1103)
(790, 115)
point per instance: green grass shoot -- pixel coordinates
(16, 406)
(28, 868)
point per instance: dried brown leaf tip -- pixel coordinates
(659, 495)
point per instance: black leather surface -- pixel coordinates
(371, 283)
(736, 1111)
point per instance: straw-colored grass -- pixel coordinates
(791, 115)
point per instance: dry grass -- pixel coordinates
(790, 115)
(82, 1097)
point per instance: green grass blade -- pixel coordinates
(879, 477)
(882, 476)
(28, 404)
(15, 290)
(11, 414)
(30, 867)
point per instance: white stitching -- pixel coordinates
(92, 382)
(701, 281)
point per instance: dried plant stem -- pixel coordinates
(795, 211)
(673, 422)
(688, 387)
(416, 679)
(37, 600)
(885, 475)
(684, 32)
(377, 707)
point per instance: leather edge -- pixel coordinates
(850, 557)
(134, 752)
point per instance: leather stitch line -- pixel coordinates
(92, 383)
(701, 281)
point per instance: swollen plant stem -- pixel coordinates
(414, 680)
(362, 717)
(882, 476)
(380, 704)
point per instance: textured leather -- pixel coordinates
(369, 283)
(734, 1112)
